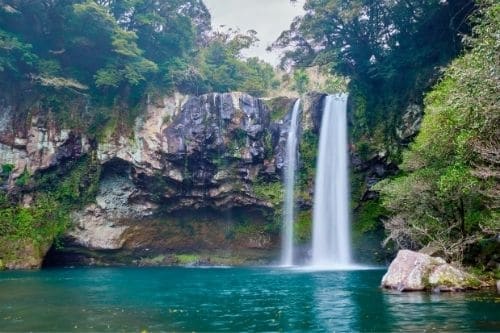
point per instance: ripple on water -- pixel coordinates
(231, 299)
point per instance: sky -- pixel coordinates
(268, 17)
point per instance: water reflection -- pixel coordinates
(372, 316)
(334, 308)
(441, 312)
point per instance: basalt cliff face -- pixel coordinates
(194, 180)
(194, 175)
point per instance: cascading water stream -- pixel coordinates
(331, 230)
(290, 168)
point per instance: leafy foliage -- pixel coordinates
(388, 49)
(307, 169)
(272, 192)
(114, 47)
(449, 194)
(48, 214)
(14, 54)
(115, 54)
(303, 226)
(368, 216)
(222, 69)
(300, 81)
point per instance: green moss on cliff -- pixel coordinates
(303, 226)
(238, 142)
(74, 185)
(268, 145)
(279, 107)
(271, 192)
(358, 188)
(187, 259)
(23, 179)
(372, 130)
(368, 216)
(308, 149)
(36, 225)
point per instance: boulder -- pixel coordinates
(410, 122)
(413, 271)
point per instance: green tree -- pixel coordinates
(389, 49)
(15, 56)
(260, 78)
(223, 69)
(300, 81)
(112, 46)
(448, 196)
(125, 64)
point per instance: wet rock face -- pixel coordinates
(205, 233)
(314, 104)
(187, 150)
(30, 256)
(207, 124)
(413, 271)
(188, 154)
(373, 171)
(212, 152)
(214, 129)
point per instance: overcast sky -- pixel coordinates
(268, 17)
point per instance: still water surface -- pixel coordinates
(230, 299)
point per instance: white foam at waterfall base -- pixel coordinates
(331, 248)
(289, 206)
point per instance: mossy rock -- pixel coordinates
(187, 259)
(413, 271)
(279, 107)
(303, 226)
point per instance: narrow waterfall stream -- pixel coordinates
(290, 169)
(331, 230)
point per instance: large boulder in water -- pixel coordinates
(413, 271)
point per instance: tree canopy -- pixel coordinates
(111, 45)
(389, 49)
(123, 48)
(375, 39)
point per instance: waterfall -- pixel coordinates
(290, 168)
(331, 230)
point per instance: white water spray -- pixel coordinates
(331, 230)
(290, 169)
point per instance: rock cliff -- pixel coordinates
(191, 168)
(196, 176)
